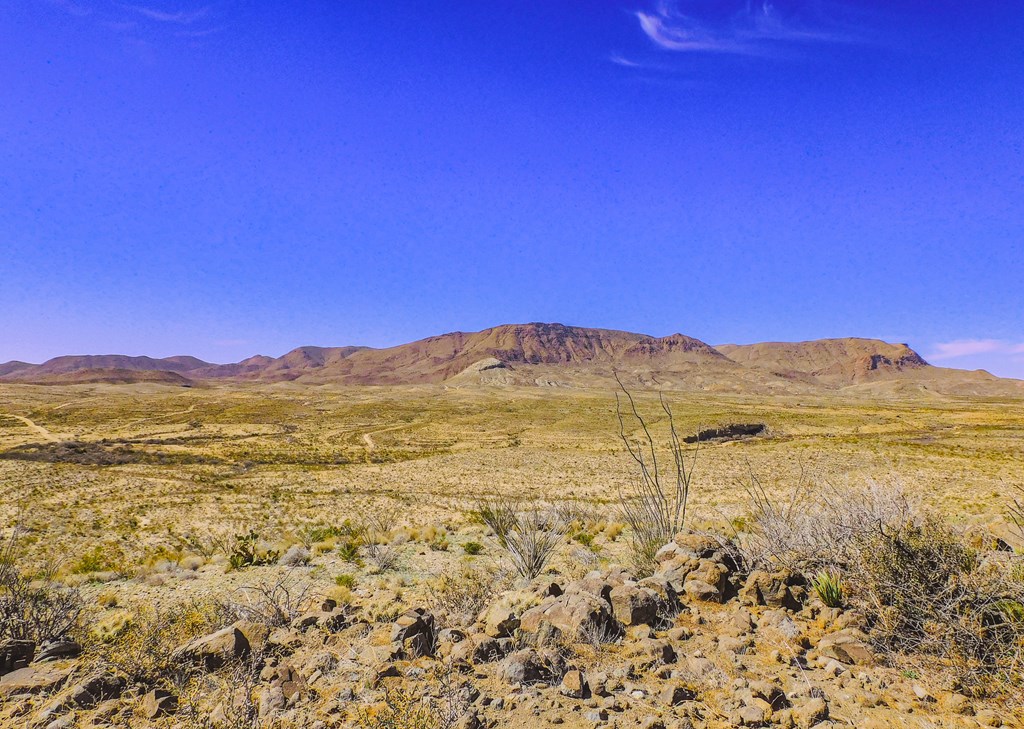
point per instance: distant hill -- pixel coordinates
(109, 375)
(76, 363)
(556, 355)
(833, 361)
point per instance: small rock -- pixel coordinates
(574, 685)
(811, 712)
(159, 703)
(57, 650)
(675, 694)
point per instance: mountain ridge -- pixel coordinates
(552, 354)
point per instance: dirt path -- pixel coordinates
(187, 410)
(368, 437)
(36, 427)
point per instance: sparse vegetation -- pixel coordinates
(828, 586)
(33, 607)
(146, 545)
(247, 552)
(655, 505)
(526, 532)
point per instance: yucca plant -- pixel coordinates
(828, 585)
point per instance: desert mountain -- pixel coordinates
(108, 375)
(75, 363)
(559, 355)
(833, 361)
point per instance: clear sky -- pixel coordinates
(230, 177)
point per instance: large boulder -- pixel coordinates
(708, 582)
(782, 589)
(499, 620)
(635, 605)
(573, 614)
(15, 654)
(214, 650)
(532, 666)
(37, 678)
(481, 648)
(414, 631)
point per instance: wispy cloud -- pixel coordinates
(971, 347)
(620, 60)
(740, 27)
(180, 17)
(71, 7)
(1002, 357)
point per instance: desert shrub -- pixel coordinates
(348, 551)
(818, 527)
(929, 593)
(527, 533)
(442, 705)
(345, 580)
(575, 514)
(294, 556)
(247, 552)
(205, 543)
(310, 534)
(34, 607)
(828, 586)
(586, 539)
(654, 507)
(472, 548)
(383, 555)
(274, 603)
(140, 644)
(233, 688)
(923, 589)
(439, 543)
(461, 593)
(95, 560)
(1015, 514)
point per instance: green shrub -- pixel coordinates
(472, 548)
(349, 551)
(828, 585)
(345, 580)
(584, 538)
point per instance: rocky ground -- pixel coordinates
(700, 643)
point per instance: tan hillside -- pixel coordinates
(543, 346)
(556, 355)
(109, 375)
(836, 361)
(74, 363)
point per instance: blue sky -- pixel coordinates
(227, 177)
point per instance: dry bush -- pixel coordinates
(141, 645)
(927, 592)
(225, 699)
(1015, 513)
(819, 528)
(527, 533)
(33, 607)
(577, 514)
(463, 592)
(271, 602)
(654, 507)
(376, 546)
(444, 703)
(922, 588)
